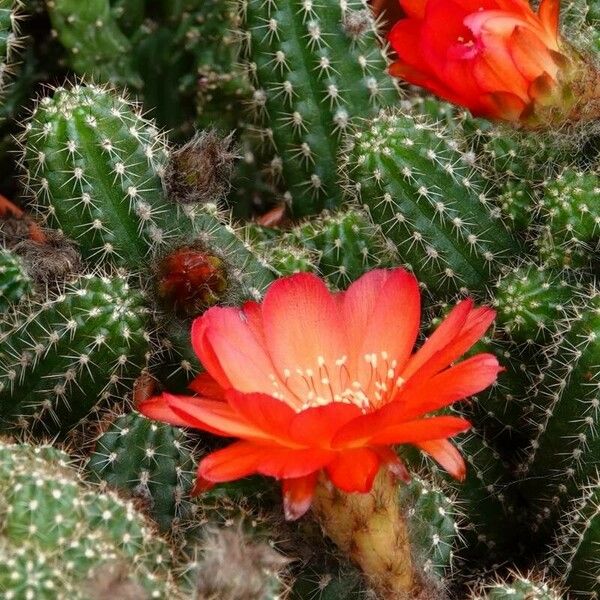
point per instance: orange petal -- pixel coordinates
(531, 55)
(263, 412)
(414, 8)
(157, 408)
(213, 416)
(241, 356)
(549, 12)
(317, 426)
(207, 386)
(244, 458)
(446, 455)
(505, 106)
(298, 495)
(205, 352)
(304, 333)
(372, 429)
(456, 383)
(354, 470)
(445, 333)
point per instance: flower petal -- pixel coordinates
(244, 458)
(354, 470)
(549, 13)
(373, 429)
(317, 426)
(304, 333)
(241, 355)
(456, 383)
(214, 417)
(298, 495)
(392, 329)
(157, 408)
(414, 8)
(207, 386)
(265, 413)
(205, 352)
(446, 455)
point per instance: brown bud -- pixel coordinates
(201, 170)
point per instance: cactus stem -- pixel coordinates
(371, 529)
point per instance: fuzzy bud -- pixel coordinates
(233, 568)
(200, 171)
(54, 259)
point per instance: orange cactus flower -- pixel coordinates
(498, 58)
(310, 381)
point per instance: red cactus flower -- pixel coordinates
(311, 381)
(498, 58)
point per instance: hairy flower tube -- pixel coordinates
(311, 382)
(498, 58)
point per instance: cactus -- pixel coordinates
(432, 519)
(314, 68)
(15, 283)
(574, 557)
(94, 40)
(93, 165)
(428, 201)
(63, 539)
(10, 41)
(531, 301)
(569, 208)
(561, 455)
(62, 357)
(151, 461)
(518, 587)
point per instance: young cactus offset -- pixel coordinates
(64, 540)
(151, 461)
(61, 358)
(314, 67)
(428, 201)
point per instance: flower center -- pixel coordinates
(369, 384)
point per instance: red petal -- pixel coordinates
(372, 429)
(530, 54)
(304, 331)
(157, 408)
(241, 355)
(298, 495)
(448, 329)
(505, 106)
(206, 385)
(316, 426)
(414, 8)
(393, 462)
(354, 470)
(204, 351)
(456, 383)
(446, 455)
(266, 413)
(446, 344)
(244, 458)
(549, 13)
(405, 38)
(214, 417)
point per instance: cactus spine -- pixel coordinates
(61, 358)
(429, 202)
(15, 283)
(314, 68)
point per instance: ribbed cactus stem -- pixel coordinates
(371, 530)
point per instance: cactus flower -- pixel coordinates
(312, 381)
(498, 58)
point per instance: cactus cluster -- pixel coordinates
(267, 138)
